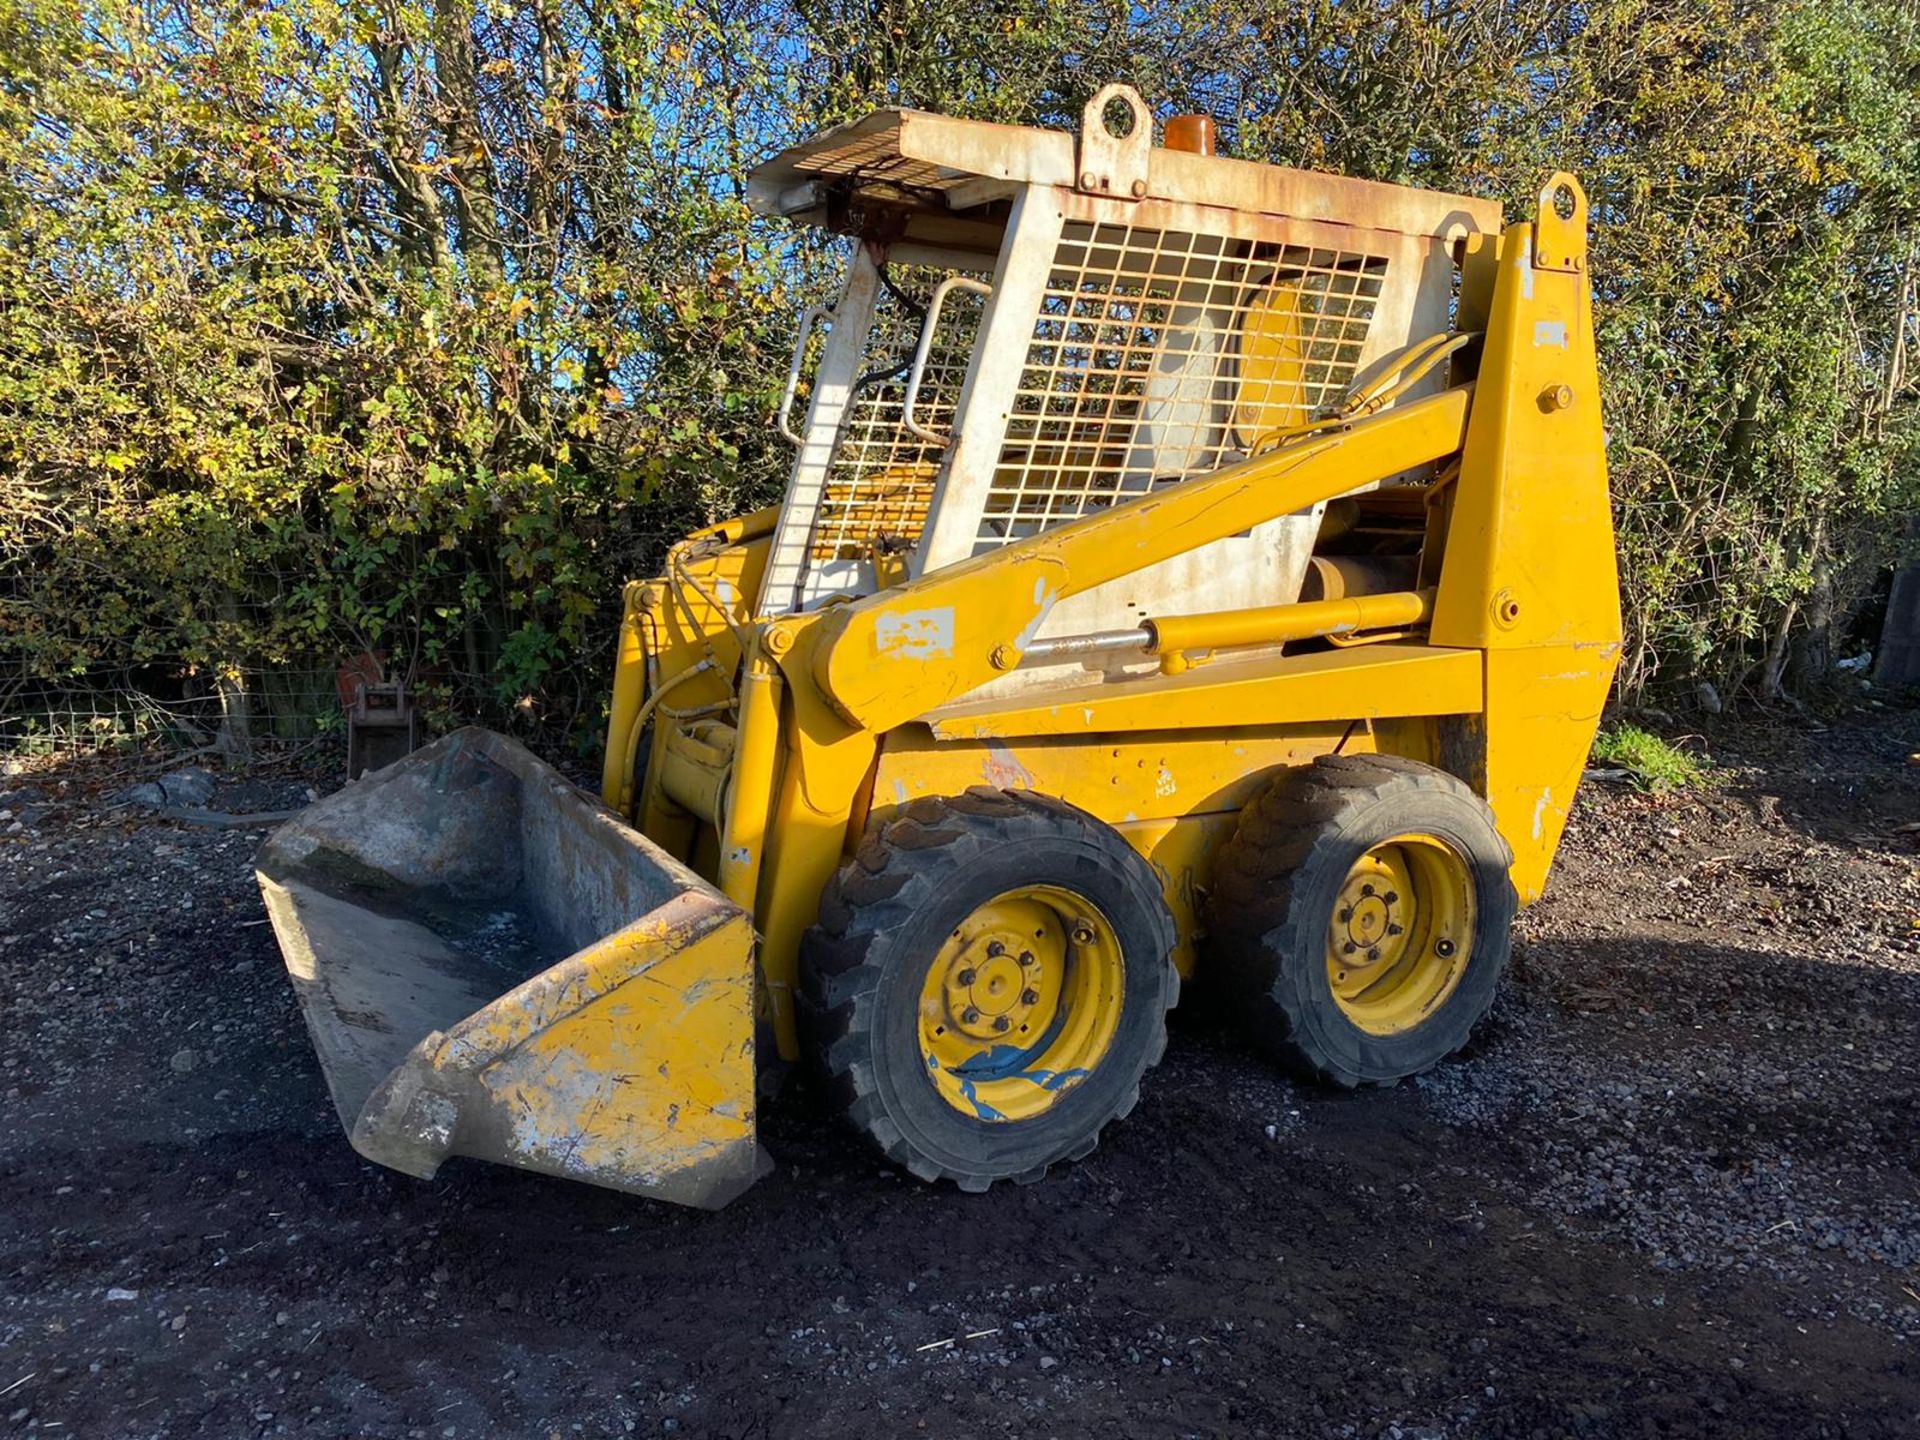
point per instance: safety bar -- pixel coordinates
(927, 326)
(809, 317)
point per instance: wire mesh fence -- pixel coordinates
(117, 708)
(265, 664)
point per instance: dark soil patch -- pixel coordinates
(1673, 1190)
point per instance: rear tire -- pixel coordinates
(1361, 916)
(988, 982)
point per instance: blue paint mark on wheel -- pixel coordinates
(980, 1107)
(1053, 1079)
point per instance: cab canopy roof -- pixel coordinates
(892, 166)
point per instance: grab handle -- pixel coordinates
(912, 400)
(783, 418)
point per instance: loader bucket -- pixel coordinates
(491, 964)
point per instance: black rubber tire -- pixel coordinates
(884, 917)
(1272, 898)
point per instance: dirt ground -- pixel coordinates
(1673, 1190)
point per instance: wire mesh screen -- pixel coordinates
(880, 479)
(1158, 354)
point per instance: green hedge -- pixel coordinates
(335, 326)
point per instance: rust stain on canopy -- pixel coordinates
(491, 965)
(936, 164)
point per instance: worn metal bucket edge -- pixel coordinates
(629, 1063)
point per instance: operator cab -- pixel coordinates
(1034, 325)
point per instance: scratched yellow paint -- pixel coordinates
(1543, 707)
(630, 1064)
(1125, 776)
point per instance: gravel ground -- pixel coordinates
(1673, 1188)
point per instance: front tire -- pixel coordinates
(987, 985)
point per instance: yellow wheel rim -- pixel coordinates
(1021, 1003)
(1401, 933)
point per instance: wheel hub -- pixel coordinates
(1020, 1003)
(1369, 922)
(993, 982)
(1398, 939)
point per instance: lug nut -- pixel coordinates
(1393, 929)
(1346, 915)
(965, 977)
(1374, 953)
(1366, 890)
(995, 949)
(1029, 997)
(970, 1016)
(1001, 1023)
(1348, 948)
(1392, 898)
(1026, 957)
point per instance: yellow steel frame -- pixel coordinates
(848, 712)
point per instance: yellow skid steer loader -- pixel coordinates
(1189, 567)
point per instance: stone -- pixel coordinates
(191, 787)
